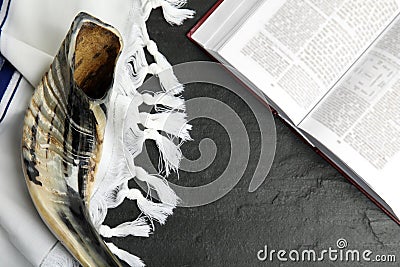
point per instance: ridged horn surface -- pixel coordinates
(63, 136)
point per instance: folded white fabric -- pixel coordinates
(14, 257)
(30, 36)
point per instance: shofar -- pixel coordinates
(63, 136)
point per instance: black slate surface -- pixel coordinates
(304, 203)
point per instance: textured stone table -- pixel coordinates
(304, 203)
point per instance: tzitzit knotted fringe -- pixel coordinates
(131, 72)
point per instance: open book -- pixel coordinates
(331, 69)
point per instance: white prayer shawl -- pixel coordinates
(30, 36)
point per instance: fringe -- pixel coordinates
(166, 100)
(170, 153)
(114, 197)
(98, 211)
(177, 3)
(169, 119)
(130, 259)
(134, 141)
(156, 211)
(175, 16)
(171, 10)
(163, 70)
(160, 185)
(173, 123)
(138, 227)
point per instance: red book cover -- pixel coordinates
(189, 35)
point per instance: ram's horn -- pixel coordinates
(63, 136)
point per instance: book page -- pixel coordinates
(359, 120)
(296, 50)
